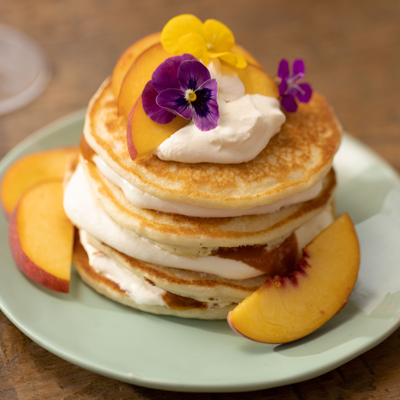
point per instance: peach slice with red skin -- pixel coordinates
(32, 169)
(141, 71)
(144, 135)
(41, 236)
(138, 75)
(131, 54)
(286, 309)
(127, 59)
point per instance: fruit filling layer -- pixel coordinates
(137, 289)
(141, 291)
(86, 213)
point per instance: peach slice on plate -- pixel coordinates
(32, 169)
(127, 59)
(41, 236)
(143, 135)
(286, 309)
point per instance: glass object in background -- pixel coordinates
(24, 69)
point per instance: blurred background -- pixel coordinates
(352, 55)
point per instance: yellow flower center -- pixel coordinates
(190, 95)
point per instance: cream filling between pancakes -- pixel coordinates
(144, 200)
(137, 289)
(86, 213)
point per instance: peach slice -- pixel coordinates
(127, 59)
(134, 51)
(41, 236)
(137, 77)
(254, 78)
(144, 135)
(286, 309)
(32, 169)
(237, 49)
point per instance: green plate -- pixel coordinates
(189, 355)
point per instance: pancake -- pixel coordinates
(174, 305)
(163, 262)
(293, 161)
(193, 236)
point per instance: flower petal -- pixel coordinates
(218, 36)
(177, 27)
(195, 44)
(283, 87)
(307, 93)
(151, 108)
(166, 74)
(173, 100)
(283, 70)
(205, 108)
(236, 60)
(298, 67)
(289, 103)
(192, 74)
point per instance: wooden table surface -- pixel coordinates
(352, 52)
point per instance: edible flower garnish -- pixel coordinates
(289, 88)
(187, 34)
(182, 86)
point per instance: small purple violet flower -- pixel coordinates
(289, 88)
(182, 86)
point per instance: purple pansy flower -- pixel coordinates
(182, 86)
(289, 88)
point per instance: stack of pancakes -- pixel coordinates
(167, 261)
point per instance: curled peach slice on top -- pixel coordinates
(286, 309)
(131, 54)
(144, 64)
(32, 169)
(254, 78)
(138, 75)
(127, 59)
(144, 135)
(41, 236)
(237, 49)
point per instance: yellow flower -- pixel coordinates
(187, 34)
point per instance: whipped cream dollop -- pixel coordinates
(246, 125)
(244, 129)
(144, 200)
(85, 212)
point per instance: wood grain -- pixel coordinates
(352, 53)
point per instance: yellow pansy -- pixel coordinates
(187, 34)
